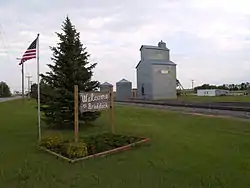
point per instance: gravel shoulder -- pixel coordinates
(196, 111)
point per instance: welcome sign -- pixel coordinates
(94, 101)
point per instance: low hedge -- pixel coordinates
(66, 148)
(87, 145)
(107, 141)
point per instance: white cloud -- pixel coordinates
(231, 6)
(3, 54)
(203, 36)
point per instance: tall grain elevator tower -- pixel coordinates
(156, 74)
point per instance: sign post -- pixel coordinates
(111, 110)
(97, 101)
(76, 108)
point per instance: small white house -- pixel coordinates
(212, 92)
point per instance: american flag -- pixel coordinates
(30, 53)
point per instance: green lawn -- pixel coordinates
(185, 151)
(215, 99)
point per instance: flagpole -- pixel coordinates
(38, 92)
(23, 81)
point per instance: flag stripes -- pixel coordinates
(30, 53)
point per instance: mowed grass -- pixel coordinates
(215, 98)
(185, 151)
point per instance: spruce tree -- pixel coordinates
(71, 67)
(4, 90)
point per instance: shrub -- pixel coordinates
(52, 142)
(107, 141)
(75, 150)
(88, 146)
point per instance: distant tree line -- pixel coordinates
(44, 90)
(231, 87)
(4, 90)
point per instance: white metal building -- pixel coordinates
(212, 92)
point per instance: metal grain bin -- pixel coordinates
(123, 90)
(105, 87)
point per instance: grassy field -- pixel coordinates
(215, 99)
(186, 151)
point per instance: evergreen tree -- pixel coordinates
(4, 90)
(71, 67)
(45, 91)
(33, 92)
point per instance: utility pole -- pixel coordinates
(192, 84)
(22, 78)
(28, 77)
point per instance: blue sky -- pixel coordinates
(209, 40)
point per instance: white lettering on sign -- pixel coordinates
(164, 71)
(94, 101)
(92, 97)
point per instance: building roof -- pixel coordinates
(123, 81)
(138, 64)
(164, 63)
(153, 47)
(159, 63)
(106, 84)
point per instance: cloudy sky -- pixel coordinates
(209, 40)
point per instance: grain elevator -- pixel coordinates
(156, 74)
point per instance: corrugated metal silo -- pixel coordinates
(105, 87)
(123, 90)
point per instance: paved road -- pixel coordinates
(9, 98)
